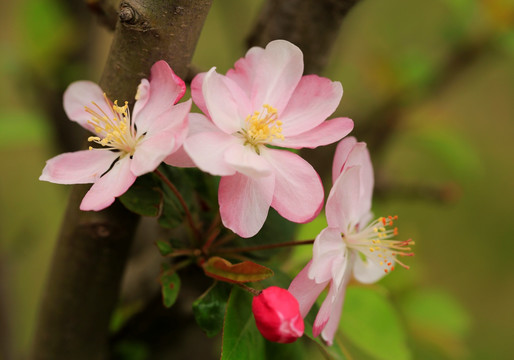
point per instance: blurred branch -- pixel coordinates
(106, 11)
(313, 25)
(92, 248)
(5, 320)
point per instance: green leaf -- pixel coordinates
(144, 197)
(170, 285)
(241, 339)
(371, 323)
(164, 247)
(209, 309)
(246, 271)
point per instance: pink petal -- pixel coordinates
(164, 137)
(326, 309)
(306, 290)
(328, 132)
(244, 202)
(82, 94)
(164, 90)
(197, 123)
(367, 272)
(314, 100)
(276, 75)
(343, 149)
(207, 150)
(332, 324)
(298, 191)
(327, 247)
(111, 185)
(81, 167)
(245, 160)
(243, 73)
(342, 209)
(197, 94)
(228, 105)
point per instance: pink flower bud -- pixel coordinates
(277, 315)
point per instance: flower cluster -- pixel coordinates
(251, 117)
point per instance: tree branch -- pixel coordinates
(312, 25)
(92, 248)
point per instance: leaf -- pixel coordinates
(246, 271)
(371, 323)
(170, 285)
(209, 309)
(241, 339)
(164, 247)
(144, 197)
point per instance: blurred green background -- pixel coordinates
(446, 170)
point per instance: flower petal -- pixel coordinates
(244, 202)
(111, 185)
(80, 167)
(332, 324)
(369, 271)
(343, 149)
(82, 94)
(207, 151)
(243, 72)
(276, 75)
(228, 105)
(327, 249)
(298, 190)
(342, 208)
(164, 90)
(314, 100)
(326, 133)
(164, 137)
(245, 160)
(306, 290)
(326, 309)
(197, 94)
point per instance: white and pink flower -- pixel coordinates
(264, 101)
(126, 146)
(352, 245)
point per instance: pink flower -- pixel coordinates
(127, 146)
(277, 315)
(263, 101)
(351, 245)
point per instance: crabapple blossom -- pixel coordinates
(264, 103)
(125, 146)
(352, 245)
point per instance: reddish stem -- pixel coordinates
(263, 247)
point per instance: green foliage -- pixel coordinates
(246, 271)
(164, 247)
(130, 350)
(209, 309)
(241, 339)
(144, 197)
(436, 318)
(170, 285)
(372, 324)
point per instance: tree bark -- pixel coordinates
(312, 25)
(92, 248)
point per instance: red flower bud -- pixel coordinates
(277, 315)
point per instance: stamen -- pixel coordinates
(262, 127)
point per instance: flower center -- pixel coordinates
(374, 243)
(114, 131)
(262, 127)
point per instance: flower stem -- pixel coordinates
(263, 247)
(251, 290)
(182, 202)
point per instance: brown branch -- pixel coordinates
(313, 25)
(92, 248)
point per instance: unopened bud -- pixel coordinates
(277, 315)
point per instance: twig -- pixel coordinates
(263, 247)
